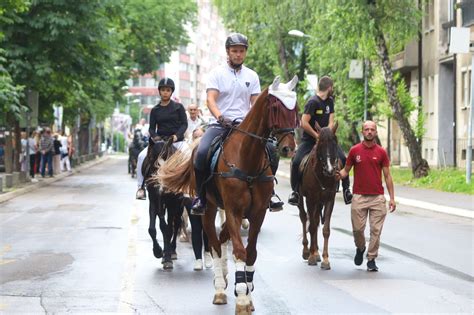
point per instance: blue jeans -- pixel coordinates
(47, 158)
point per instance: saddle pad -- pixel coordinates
(303, 164)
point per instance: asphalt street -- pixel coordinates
(80, 245)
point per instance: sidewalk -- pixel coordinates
(30, 186)
(428, 199)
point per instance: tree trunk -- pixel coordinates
(16, 157)
(419, 165)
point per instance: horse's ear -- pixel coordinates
(317, 127)
(275, 83)
(292, 83)
(334, 127)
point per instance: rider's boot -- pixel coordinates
(346, 191)
(275, 203)
(141, 193)
(199, 204)
(294, 198)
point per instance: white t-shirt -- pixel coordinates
(235, 89)
(64, 147)
(192, 125)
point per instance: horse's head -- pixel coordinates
(326, 150)
(283, 115)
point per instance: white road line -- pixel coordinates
(419, 204)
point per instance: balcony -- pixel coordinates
(406, 60)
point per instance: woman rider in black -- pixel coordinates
(167, 119)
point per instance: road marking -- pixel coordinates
(128, 279)
(434, 207)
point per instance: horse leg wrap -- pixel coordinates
(249, 272)
(240, 279)
(220, 284)
(240, 284)
(225, 270)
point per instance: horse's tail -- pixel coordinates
(177, 174)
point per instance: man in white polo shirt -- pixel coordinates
(231, 90)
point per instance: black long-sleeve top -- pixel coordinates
(168, 120)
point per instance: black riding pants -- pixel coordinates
(198, 236)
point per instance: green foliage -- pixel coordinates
(266, 23)
(450, 180)
(154, 29)
(79, 53)
(10, 93)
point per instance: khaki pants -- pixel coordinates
(375, 208)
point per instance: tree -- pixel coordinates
(266, 23)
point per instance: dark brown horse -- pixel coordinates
(242, 184)
(318, 185)
(162, 203)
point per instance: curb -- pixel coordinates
(415, 203)
(45, 182)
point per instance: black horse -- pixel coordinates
(161, 203)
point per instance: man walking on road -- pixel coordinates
(369, 160)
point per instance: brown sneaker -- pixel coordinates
(141, 194)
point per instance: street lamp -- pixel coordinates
(302, 70)
(298, 33)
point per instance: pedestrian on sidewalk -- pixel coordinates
(319, 109)
(46, 148)
(369, 160)
(33, 148)
(65, 163)
(57, 154)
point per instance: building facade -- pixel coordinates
(189, 65)
(445, 87)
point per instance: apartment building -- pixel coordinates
(445, 87)
(189, 65)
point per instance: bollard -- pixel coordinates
(1, 184)
(16, 178)
(23, 177)
(9, 180)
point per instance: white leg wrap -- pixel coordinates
(225, 269)
(248, 270)
(219, 280)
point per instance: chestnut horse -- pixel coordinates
(319, 185)
(242, 184)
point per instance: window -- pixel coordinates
(466, 88)
(467, 11)
(429, 15)
(136, 81)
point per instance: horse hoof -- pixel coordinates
(168, 265)
(245, 309)
(318, 258)
(312, 260)
(305, 255)
(174, 256)
(220, 299)
(158, 252)
(325, 265)
(252, 308)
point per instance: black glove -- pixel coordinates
(224, 121)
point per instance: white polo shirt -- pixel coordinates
(235, 89)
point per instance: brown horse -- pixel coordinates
(319, 185)
(242, 184)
